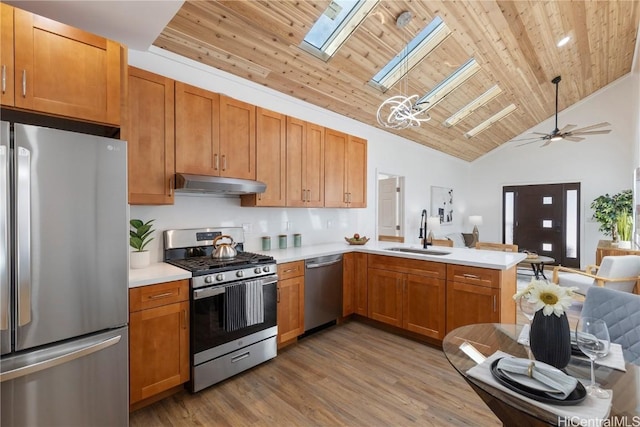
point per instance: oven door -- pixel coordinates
(226, 313)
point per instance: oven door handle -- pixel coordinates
(207, 292)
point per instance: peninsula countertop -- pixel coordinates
(162, 272)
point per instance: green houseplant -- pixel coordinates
(139, 237)
(607, 210)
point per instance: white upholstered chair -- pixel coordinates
(615, 272)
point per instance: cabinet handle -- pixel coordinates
(308, 195)
(184, 319)
(290, 270)
(224, 162)
(4, 79)
(171, 185)
(278, 301)
(495, 303)
(24, 83)
(470, 276)
(216, 162)
(304, 194)
(166, 294)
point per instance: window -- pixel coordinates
(335, 25)
(449, 84)
(418, 48)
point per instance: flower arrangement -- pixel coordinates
(546, 296)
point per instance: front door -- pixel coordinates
(544, 219)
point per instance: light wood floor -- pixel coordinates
(348, 375)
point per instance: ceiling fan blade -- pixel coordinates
(592, 127)
(567, 128)
(573, 138)
(546, 143)
(527, 143)
(536, 138)
(593, 132)
(540, 133)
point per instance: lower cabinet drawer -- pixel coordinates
(223, 367)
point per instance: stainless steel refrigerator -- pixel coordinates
(63, 278)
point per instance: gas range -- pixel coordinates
(192, 249)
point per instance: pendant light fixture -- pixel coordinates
(402, 111)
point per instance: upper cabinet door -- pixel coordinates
(271, 137)
(314, 166)
(65, 71)
(357, 172)
(237, 138)
(6, 55)
(296, 191)
(197, 131)
(149, 131)
(335, 149)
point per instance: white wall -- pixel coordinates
(389, 153)
(601, 163)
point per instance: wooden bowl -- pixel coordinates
(360, 241)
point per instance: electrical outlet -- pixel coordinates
(247, 227)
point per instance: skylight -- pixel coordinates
(335, 25)
(421, 45)
(449, 84)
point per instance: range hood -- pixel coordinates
(186, 183)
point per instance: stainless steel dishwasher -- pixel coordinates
(322, 290)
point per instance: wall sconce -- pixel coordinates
(433, 223)
(475, 220)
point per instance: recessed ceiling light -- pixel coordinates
(564, 41)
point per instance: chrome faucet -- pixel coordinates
(423, 229)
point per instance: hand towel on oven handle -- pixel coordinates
(243, 305)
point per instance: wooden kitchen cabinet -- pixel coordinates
(305, 164)
(271, 159)
(479, 295)
(354, 284)
(290, 302)
(237, 138)
(407, 293)
(159, 340)
(6, 55)
(149, 132)
(215, 134)
(197, 122)
(345, 170)
(60, 70)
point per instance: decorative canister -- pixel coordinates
(282, 241)
(266, 243)
(297, 240)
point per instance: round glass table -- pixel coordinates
(487, 338)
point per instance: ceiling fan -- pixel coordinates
(567, 132)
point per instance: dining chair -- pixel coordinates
(442, 242)
(616, 272)
(621, 312)
(504, 247)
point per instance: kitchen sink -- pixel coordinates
(419, 251)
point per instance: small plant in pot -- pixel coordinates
(139, 238)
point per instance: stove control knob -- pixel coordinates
(266, 269)
(240, 273)
(219, 277)
(208, 279)
(257, 270)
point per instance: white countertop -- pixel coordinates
(161, 272)
(156, 273)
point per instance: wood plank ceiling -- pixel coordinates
(513, 41)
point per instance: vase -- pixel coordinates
(140, 259)
(550, 339)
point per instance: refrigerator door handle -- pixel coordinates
(23, 243)
(4, 239)
(47, 364)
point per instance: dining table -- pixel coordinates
(478, 341)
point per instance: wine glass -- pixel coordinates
(592, 336)
(527, 308)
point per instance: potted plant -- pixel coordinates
(624, 225)
(139, 238)
(607, 209)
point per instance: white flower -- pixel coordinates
(548, 297)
